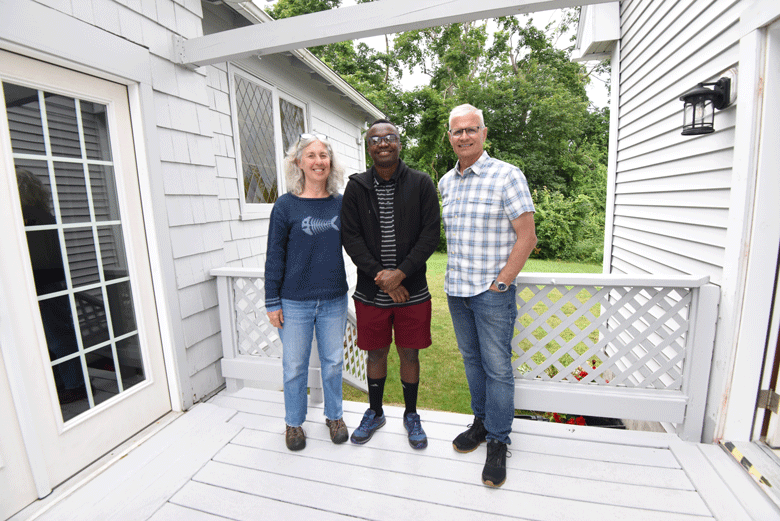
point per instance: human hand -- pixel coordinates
(276, 318)
(399, 294)
(388, 280)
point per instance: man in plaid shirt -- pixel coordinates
(489, 221)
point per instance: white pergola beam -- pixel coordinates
(350, 23)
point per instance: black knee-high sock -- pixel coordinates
(376, 390)
(410, 396)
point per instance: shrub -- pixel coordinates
(568, 228)
(442, 247)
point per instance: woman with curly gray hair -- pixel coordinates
(306, 282)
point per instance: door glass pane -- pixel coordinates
(101, 179)
(131, 366)
(24, 112)
(82, 257)
(102, 374)
(61, 121)
(72, 192)
(67, 191)
(254, 105)
(93, 320)
(112, 252)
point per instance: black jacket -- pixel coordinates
(417, 222)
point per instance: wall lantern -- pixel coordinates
(700, 104)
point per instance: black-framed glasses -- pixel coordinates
(306, 135)
(470, 131)
(389, 139)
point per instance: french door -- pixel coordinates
(78, 323)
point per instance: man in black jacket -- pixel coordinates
(390, 227)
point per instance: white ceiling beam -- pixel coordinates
(350, 23)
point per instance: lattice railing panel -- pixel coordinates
(605, 335)
(354, 358)
(257, 337)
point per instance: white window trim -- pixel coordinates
(260, 210)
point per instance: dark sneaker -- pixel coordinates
(417, 437)
(368, 426)
(494, 472)
(470, 439)
(295, 438)
(338, 430)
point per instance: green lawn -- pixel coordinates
(442, 377)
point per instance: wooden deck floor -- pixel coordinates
(226, 459)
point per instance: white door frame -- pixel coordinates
(755, 166)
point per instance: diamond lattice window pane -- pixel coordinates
(256, 135)
(292, 122)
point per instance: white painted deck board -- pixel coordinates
(231, 504)
(227, 460)
(135, 487)
(172, 512)
(416, 476)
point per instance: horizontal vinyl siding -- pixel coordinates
(672, 192)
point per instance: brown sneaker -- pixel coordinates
(338, 430)
(295, 438)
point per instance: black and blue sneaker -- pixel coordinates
(368, 426)
(417, 437)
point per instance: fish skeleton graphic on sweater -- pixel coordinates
(312, 226)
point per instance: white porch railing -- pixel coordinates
(252, 349)
(598, 345)
(616, 346)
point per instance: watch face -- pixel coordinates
(501, 286)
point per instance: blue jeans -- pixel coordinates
(301, 319)
(484, 325)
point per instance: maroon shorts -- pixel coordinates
(375, 326)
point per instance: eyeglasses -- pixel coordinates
(389, 139)
(470, 131)
(321, 137)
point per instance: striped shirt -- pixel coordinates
(385, 191)
(478, 207)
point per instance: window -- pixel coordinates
(266, 123)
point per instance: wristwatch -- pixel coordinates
(502, 287)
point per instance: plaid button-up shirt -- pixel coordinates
(478, 206)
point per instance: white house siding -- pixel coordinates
(673, 192)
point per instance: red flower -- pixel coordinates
(579, 421)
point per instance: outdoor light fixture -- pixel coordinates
(700, 104)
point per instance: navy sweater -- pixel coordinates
(304, 259)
